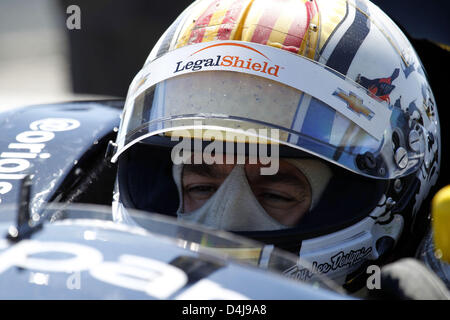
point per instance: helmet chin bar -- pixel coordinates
(385, 240)
(349, 252)
(391, 231)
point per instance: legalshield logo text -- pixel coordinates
(230, 61)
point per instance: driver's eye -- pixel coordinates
(200, 191)
(278, 200)
(268, 196)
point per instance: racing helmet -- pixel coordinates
(333, 87)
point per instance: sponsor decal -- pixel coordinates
(338, 261)
(152, 277)
(29, 145)
(230, 61)
(354, 103)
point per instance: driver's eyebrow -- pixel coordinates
(280, 177)
(204, 170)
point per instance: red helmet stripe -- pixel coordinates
(230, 20)
(265, 25)
(297, 31)
(202, 22)
(299, 27)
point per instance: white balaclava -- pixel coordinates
(234, 207)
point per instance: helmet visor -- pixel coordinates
(208, 105)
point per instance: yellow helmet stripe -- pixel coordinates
(231, 27)
(264, 27)
(211, 30)
(280, 31)
(311, 32)
(203, 22)
(191, 21)
(332, 14)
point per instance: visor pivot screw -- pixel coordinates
(401, 158)
(366, 161)
(414, 140)
(390, 203)
(313, 27)
(398, 185)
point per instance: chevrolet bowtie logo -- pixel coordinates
(354, 103)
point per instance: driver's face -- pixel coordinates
(285, 196)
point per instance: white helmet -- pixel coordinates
(337, 81)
